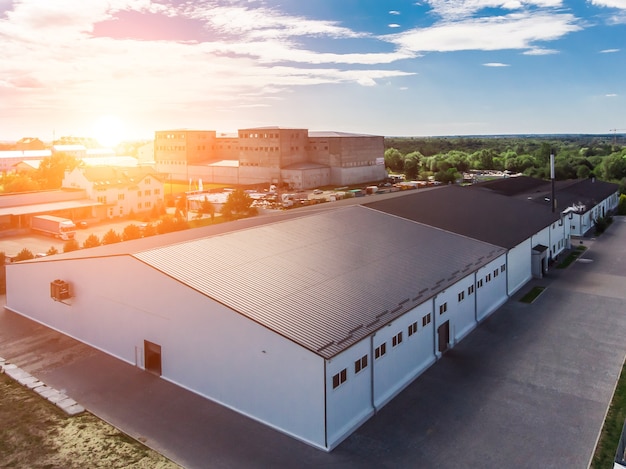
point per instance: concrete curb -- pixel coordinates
(68, 405)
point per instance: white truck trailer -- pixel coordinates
(62, 228)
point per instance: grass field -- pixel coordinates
(35, 433)
(612, 428)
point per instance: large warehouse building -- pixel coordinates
(309, 321)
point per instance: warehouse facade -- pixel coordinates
(308, 324)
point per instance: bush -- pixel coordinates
(92, 241)
(24, 255)
(71, 245)
(111, 237)
(52, 251)
(169, 224)
(621, 207)
(131, 231)
(602, 223)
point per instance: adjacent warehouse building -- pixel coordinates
(308, 322)
(271, 155)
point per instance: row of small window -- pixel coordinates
(265, 149)
(122, 196)
(379, 351)
(255, 135)
(560, 244)
(171, 148)
(479, 284)
(350, 164)
(342, 376)
(103, 200)
(170, 136)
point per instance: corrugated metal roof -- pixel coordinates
(322, 280)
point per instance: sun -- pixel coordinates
(108, 131)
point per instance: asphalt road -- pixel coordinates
(529, 388)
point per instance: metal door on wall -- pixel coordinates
(152, 355)
(443, 335)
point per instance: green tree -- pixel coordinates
(71, 245)
(24, 255)
(412, 165)
(92, 241)
(52, 170)
(207, 208)
(131, 231)
(621, 206)
(169, 224)
(482, 159)
(111, 237)
(52, 251)
(394, 160)
(237, 205)
(18, 183)
(612, 167)
(181, 206)
(448, 176)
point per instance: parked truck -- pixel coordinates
(62, 228)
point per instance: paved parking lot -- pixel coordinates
(529, 388)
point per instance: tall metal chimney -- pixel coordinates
(552, 178)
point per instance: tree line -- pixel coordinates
(447, 158)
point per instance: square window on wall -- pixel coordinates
(360, 364)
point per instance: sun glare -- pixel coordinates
(108, 130)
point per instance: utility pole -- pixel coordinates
(615, 134)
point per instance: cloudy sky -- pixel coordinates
(385, 67)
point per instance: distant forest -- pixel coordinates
(448, 158)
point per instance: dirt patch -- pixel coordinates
(35, 433)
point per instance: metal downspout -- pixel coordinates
(434, 322)
(506, 278)
(475, 298)
(325, 408)
(372, 387)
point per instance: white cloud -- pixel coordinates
(611, 95)
(264, 23)
(495, 64)
(621, 4)
(459, 9)
(394, 25)
(609, 51)
(394, 12)
(540, 51)
(514, 31)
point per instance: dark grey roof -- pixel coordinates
(580, 192)
(482, 215)
(326, 280)
(513, 185)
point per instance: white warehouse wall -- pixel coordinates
(405, 362)
(462, 310)
(492, 294)
(519, 266)
(350, 404)
(206, 347)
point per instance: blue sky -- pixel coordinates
(440, 67)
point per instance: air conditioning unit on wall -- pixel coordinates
(60, 290)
